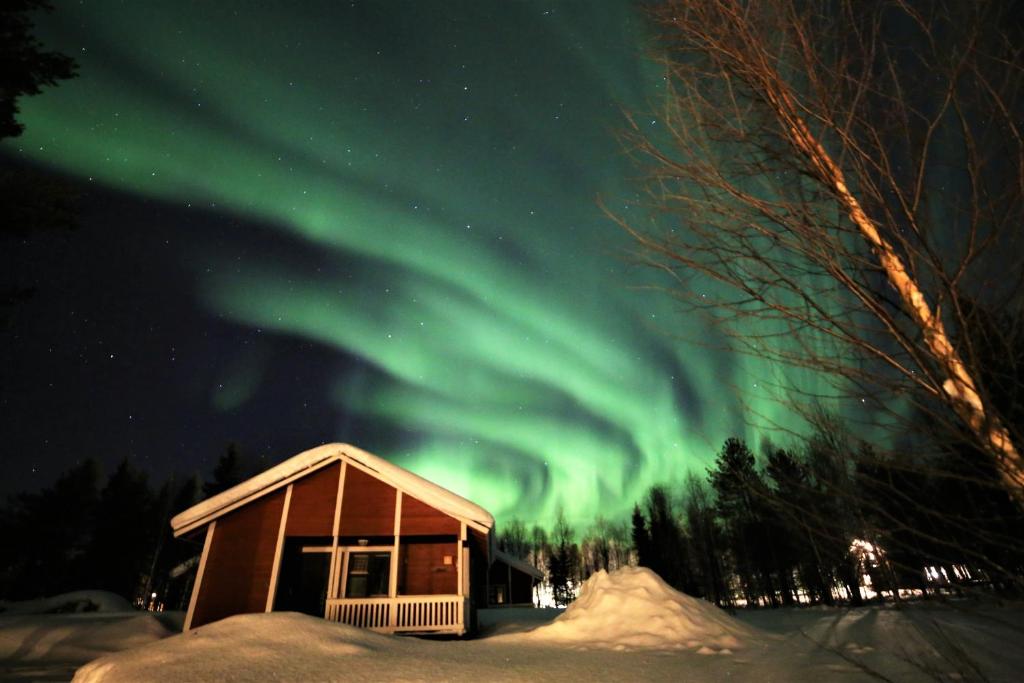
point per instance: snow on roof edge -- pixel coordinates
(427, 491)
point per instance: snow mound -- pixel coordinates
(252, 647)
(633, 608)
(69, 603)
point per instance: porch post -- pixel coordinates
(458, 559)
(461, 556)
(333, 579)
(276, 567)
(393, 579)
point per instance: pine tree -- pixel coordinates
(641, 538)
(563, 562)
(733, 482)
(790, 497)
(228, 472)
(125, 535)
(46, 535)
(706, 540)
(670, 558)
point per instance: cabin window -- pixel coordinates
(368, 575)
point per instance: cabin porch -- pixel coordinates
(403, 614)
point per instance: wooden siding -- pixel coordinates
(237, 574)
(423, 572)
(311, 512)
(367, 507)
(419, 519)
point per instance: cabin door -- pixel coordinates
(302, 583)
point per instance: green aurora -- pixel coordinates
(446, 159)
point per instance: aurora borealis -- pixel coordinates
(427, 174)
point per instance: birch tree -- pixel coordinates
(832, 182)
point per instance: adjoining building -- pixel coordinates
(340, 533)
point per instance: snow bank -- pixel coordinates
(69, 603)
(251, 647)
(633, 608)
(75, 637)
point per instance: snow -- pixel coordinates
(77, 601)
(48, 638)
(627, 625)
(803, 646)
(412, 484)
(633, 608)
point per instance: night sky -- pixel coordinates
(368, 222)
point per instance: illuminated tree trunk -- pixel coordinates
(793, 132)
(959, 386)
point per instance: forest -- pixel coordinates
(826, 520)
(830, 521)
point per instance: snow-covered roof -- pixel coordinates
(402, 479)
(516, 563)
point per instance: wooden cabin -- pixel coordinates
(340, 533)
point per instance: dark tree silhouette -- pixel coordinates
(25, 66)
(228, 472)
(30, 201)
(705, 536)
(512, 539)
(563, 561)
(641, 538)
(47, 535)
(125, 535)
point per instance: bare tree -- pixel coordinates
(849, 174)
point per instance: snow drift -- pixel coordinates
(633, 608)
(48, 638)
(69, 603)
(281, 645)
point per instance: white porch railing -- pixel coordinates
(407, 613)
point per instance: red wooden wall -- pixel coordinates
(419, 519)
(423, 572)
(367, 507)
(311, 509)
(237, 573)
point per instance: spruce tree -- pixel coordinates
(125, 535)
(641, 538)
(229, 471)
(563, 562)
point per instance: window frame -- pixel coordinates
(346, 553)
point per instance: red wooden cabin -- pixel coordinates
(340, 533)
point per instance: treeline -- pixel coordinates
(827, 521)
(112, 534)
(834, 521)
(565, 561)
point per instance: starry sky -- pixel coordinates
(366, 222)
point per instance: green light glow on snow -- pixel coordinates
(448, 167)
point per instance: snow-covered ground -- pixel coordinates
(47, 639)
(625, 626)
